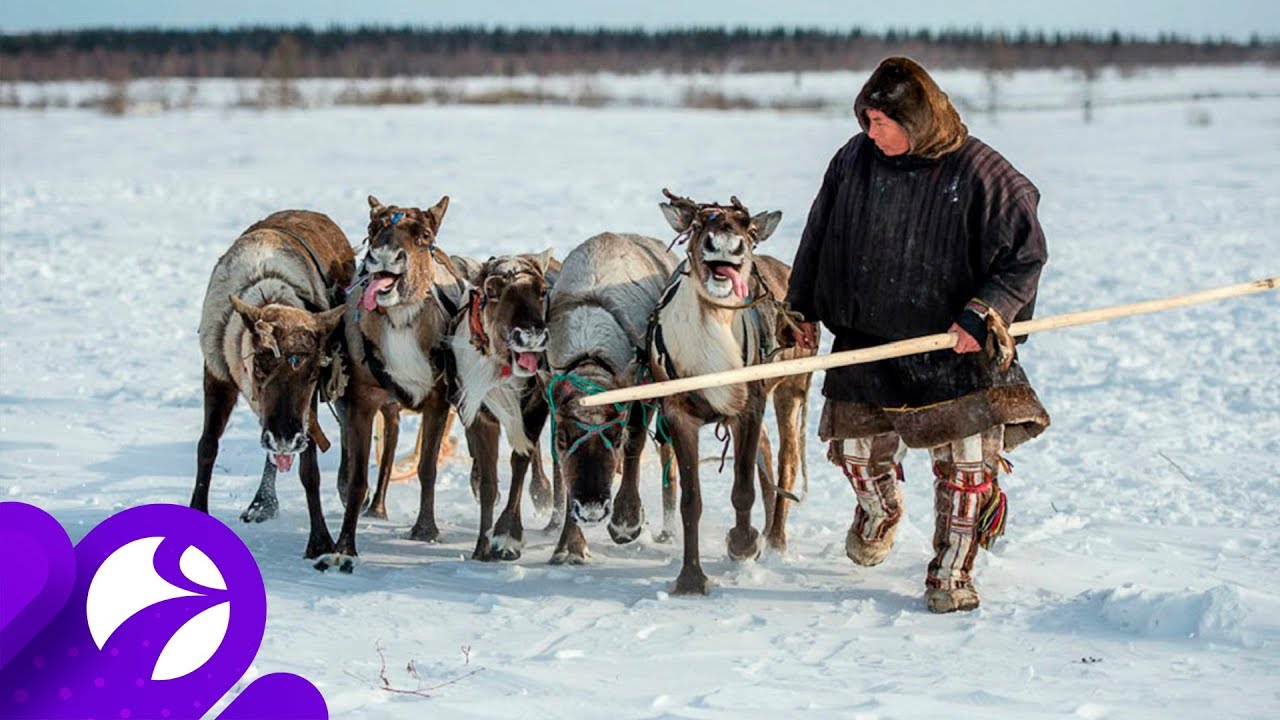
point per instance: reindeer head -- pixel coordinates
(288, 346)
(510, 311)
(721, 242)
(588, 440)
(398, 267)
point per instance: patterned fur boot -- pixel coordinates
(874, 470)
(870, 537)
(968, 505)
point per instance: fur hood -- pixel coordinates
(903, 90)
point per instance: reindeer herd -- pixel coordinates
(508, 345)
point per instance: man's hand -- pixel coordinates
(964, 341)
(793, 331)
(801, 335)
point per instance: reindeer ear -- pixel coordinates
(251, 313)
(375, 206)
(679, 219)
(328, 319)
(436, 212)
(264, 336)
(544, 260)
(765, 223)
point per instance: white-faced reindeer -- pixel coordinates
(597, 314)
(721, 311)
(496, 347)
(396, 322)
(264, 333)
(400, 335)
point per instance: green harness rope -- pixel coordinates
(659, 432)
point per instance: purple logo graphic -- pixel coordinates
(157, 613)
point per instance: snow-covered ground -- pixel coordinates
(827, 91)
(1138, 576)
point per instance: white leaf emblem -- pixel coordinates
(126, 583)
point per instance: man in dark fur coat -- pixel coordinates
(920, 228)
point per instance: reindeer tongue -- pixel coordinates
(527, 361)
(283, 462)
(369, 301)
(739, 283)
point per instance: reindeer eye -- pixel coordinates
(294, 361)
(493, 288)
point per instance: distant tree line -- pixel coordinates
(380, 52)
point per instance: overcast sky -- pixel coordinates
(1200, 18)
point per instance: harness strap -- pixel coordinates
(379, 371)
(479, 338)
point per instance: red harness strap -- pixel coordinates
(479, 338)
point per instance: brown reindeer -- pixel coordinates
(397, 318)
(272, 303)
(496, 357)
(723, 310)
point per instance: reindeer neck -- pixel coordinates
(479, 375)
(241, 365)
(700, 338)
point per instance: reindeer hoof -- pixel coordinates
(624, 534)
(566, 557)
(430, 534)
(259, 512)
(345, 563)
(554, 525)
(540, 493)
(665, 537)
(379, 513)
(691, 582)
(743, 545)
(317, 547)
(506, 546)
(777, 545)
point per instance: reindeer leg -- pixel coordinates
(764, 469)
(670, 488)
(219, 399)
(684, 436)
(572, 547)
(627, 519)
(448, 445)
(482, 438)
(508, 533)
(407, 466)
(390, 414)
(788, 404)
(540, 485)
(744, 540)
(265, 505)
(559, 498)
(356, 438)
(435, 413)
(340, 408)
(320, 542)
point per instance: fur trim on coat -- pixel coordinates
(1016, 407)
(903, 90)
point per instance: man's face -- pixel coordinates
(887, 134)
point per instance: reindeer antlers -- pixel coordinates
(680, 201)
(685, 203)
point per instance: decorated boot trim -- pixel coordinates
(992, 518)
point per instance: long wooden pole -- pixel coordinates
(927, 343)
